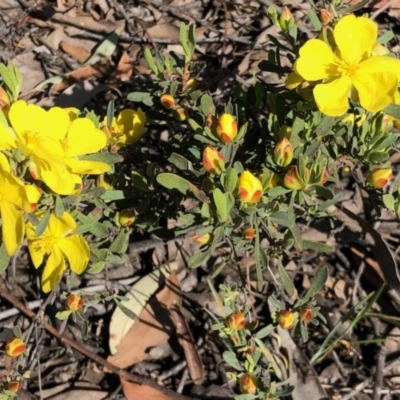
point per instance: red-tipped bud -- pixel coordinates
(15, 347)
(202, 239)
(4, 99)
(283, 152)
(286, 319)
(127, 217)
(293, 180)
(380, 177)
(14, 386)
(250, 188)
(167, 101)
(191, 84)
(326, 16)
(306, 313)
(74, 302)
(213, 160)
(227, 128)
(248, 383)
(286, 20)
(248, 234)
(180, 114)
(236, 321)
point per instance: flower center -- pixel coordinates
(44, 244)
(347, 69)
(32, 139)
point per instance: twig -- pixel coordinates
(379, 373)
(382, 9)
(182, 383)
(139, 380)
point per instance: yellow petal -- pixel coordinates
(72, 113)
(126, 118)
(380, 64)
(60, 227)
(77, 252)
(332, 97)
(53, 269)
(7, 140)
(13, 227)
(57, 123)
(293, 80)
(4, 164)
(316, 61)
(87, 167)
(84, 138)
(375, 91)
(355, 38)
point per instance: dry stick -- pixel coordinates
(379, 373)
(139, 380)
(382, 9)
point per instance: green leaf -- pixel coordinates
(42, 225)
(393, 110)
(172, 181)
(198, 259)
(317, 284)
(141, 97)
(220, 204)
(179, 161)
(386, 37)
(139, 182)
(110, 112)
(150, 61)
(264, 332)
(4, 258)
(105, 49)
(207, 104)
(230, 179)
(231, 359)
(125, 310)
(9, 79)
(278, 191)
(59, 207)
(96, 268)
(61, 315)
(316, 23)
(192, 39)
(112, 195)
(317, 246)
(286, 280)
(121, 242)
(388, 200)
(184, 41)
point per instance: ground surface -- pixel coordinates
(52, 40)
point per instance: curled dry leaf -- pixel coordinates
(133, 391)
(79, 53)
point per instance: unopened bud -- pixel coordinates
(180, 114)
(167, 101)
(236, 321)
(74, 302)
(227, 128)
(283, 152)
(4, 99)
(191, 84)
(293, 180)
(213, 160)
(306, 313)
(15, 347)
(127, 217)
(14, 386)
(250, 188)
(286, 20)
(286, 319)
(202, 239)
(248, 234)
(326, 16)
(248, 383)
(380, 177)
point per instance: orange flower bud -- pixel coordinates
(283, 152)
(33, 194)
(14, 386)
(202, 239)
(15, 347)
(380, 177)
(167, 101)
(306, 313)
(211, 121)
(286, 319)
(248, 234)
(74, 302)
(250, 188)
(180, 114)
(103, 181)
(236, 321)
(248, 383)
(213, 160)
(292, 179)
(227, 128)
(324, 176)
(4, 99)
(326, 16)
(286, 20)
(127, 217)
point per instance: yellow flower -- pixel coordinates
(227, 128)
(250, 188)
(54, 246)
(13, 198)
(127, 128)
(351, 70)
(36, 134)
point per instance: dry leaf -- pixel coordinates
(98, 70)
(124, 68)
(153, 327)
(79, 53)
(163, 31)
(133, 391)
